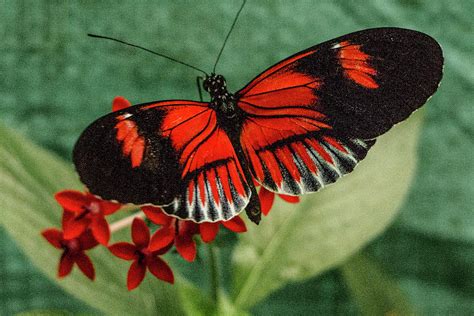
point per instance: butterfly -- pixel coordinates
(297, 127)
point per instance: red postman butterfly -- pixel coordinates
(297, 127)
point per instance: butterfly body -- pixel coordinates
(297, 127)
(221, 100)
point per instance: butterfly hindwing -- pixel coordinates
(312, 117)
(302, 163)
(169, 153)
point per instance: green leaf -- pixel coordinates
(374, 292)
(29, 176)
(296, 242)
(196, 303)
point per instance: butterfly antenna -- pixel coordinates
(148, 50)
(228, 34)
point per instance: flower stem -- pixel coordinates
(214, 271)
(125, 222)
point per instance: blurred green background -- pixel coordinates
(55, 80)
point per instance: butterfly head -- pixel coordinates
(214, 84)
(221, 99)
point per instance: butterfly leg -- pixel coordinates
(199, 81)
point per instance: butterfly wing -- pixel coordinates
(169, 153)
(312, 117)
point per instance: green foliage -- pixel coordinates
(375, 293)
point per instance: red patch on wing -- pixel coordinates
(356, 66)
(120, 103)
(277, 77)
(320, 150)
(285, 156)
(272, 164)
(334, 143)
(202, 189)
(224, 177)
(301, 151)
(195, 136)
(190, 192)
(212, 176)
(133, 144)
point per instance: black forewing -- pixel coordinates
(107, 172)
(408, 66)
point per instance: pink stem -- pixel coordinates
(125, 222)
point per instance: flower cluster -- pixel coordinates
(85, 225)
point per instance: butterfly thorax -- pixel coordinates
(221, 100)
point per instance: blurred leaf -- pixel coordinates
(296, 242)
(227, 307)
(196, 303)
(45, 312)
(374, 292)
(29, 176)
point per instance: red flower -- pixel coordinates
(209, 231)
(142, 256)
(267, 198)
(181, 232)
(120, 103)
(172, 230)
(82, 211)
(73, 251)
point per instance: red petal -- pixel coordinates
(65, 265)
(67, 216)
(53, 236)
(108, 207)
(236, 224)
(188, 228)
(157, 216)
(73, 201)
(164, 250)
(124, 250)
(208, 231)
(136, 274)
(100, 229)
(120, 103)
(289, 198)
(162, 238)
(75, 227)
(160, 269)
(266, 200)
(186, 247)
(85, 265)
(87, 241)
(140, 233)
